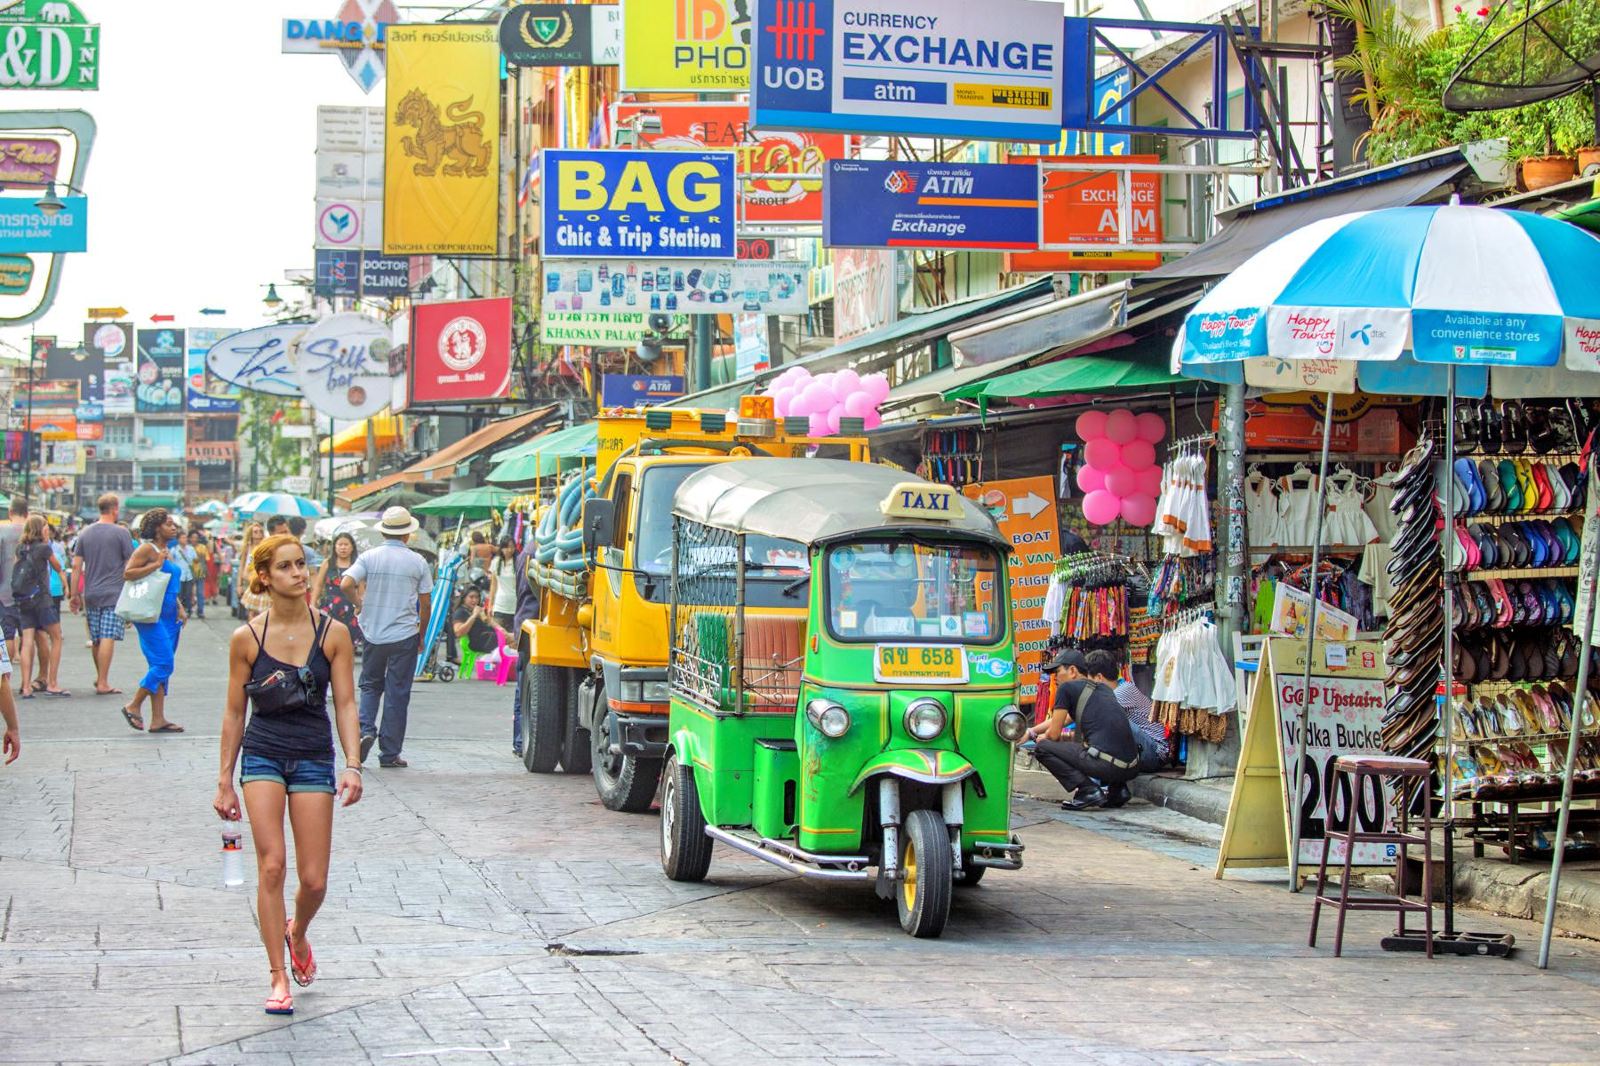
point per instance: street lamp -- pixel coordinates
(52, 205)
(272, 300)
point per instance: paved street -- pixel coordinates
(479, 914)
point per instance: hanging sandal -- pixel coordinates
(304, 972)
(280, 1004)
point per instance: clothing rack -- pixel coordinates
(1188, 616)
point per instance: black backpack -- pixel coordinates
(27, 576)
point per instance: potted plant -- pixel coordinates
(1550, 168)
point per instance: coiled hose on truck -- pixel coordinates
(559, 561)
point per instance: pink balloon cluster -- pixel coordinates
(826, 398)
(1119, 475)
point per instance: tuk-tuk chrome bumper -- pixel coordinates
(796, 860)
(998, 856)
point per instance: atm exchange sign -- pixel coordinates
(953, 68)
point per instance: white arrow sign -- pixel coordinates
(1029, 505)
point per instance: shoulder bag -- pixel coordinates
(141, 598)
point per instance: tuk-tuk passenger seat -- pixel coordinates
(774, 653)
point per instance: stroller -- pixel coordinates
(432, 663)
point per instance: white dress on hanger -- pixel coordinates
(1297, 508)
(1261, 510)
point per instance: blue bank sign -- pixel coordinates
(897, 204)
(602, 204)
(638, 390)
(951, 68)
(25, 228)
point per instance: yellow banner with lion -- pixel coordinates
(441, 169)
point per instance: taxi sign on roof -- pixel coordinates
(919, 499)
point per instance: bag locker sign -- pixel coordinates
(607, 204)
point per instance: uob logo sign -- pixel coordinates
(793, 50)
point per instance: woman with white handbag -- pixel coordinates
(158, 628)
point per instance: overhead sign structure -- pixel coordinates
(160, 363)
(357, 35)
(1108, 98)
(441, 181)
(343, 367)
(1084, 207)
(639, 390)
(562, 35)
(460, 351)
(685, 46)
(48, 44)
(698, 127)
(685, 286)
(637, 205)
(25, 228)
(941, 68)
(208, 394)
(895, 204)
(594, 329)
(258, 359)
(353, 273)
(29, 280)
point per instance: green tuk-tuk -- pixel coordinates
(843, 691)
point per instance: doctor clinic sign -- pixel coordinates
(460, 351)
(602, 204)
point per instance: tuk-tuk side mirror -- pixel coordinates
(599, 523)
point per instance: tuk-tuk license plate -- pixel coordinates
(921, 662)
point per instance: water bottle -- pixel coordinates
(232, 854)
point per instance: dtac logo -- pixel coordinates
(797, 36)
(901, 181)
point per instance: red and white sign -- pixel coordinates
(1082, 207)
(694, 127)
(460, 351)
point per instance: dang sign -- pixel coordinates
(638, 205)
(944, 68)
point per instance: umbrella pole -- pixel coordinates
(1311, 637)
(1447, 716)
(1586, 595)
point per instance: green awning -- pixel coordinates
(1083, 374)
(481, 502)
(545, 456)
(1586, 214)
(151, 500)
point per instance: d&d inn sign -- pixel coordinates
(47, 44)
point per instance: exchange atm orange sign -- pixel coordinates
(1025, 509)
(1081, 207)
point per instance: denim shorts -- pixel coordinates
(295, 775)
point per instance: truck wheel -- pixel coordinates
(926, 874)
(685, 848)
(575, 755)
(625, 782)
(544, 707)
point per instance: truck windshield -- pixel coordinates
(652, 546)
(914, 590)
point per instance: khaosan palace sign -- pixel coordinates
(356, 35)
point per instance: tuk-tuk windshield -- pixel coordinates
(914, 590)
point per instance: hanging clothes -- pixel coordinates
(1261, 509)
(1183, 511)
(1346, 521)
(1297, 507)
(1194, 686)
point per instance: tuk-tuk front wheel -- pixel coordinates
(685, 848)
(927, 873)
(625, 783)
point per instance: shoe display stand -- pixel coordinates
(1413, 645)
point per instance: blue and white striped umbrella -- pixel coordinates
(1469, 286)
(266, 504)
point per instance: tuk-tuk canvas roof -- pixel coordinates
(812, 500)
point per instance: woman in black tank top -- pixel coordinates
(285, 750)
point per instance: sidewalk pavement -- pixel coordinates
(479, 914)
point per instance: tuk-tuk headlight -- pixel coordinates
(925, 718)
(1011, 724)
(829, 717)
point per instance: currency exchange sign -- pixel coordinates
(944, 68)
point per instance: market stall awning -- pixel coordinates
(547, 455)
(481, 502)
(1072, 376)
(442, 464)
(387, 432)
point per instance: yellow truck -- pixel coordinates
(593, 684)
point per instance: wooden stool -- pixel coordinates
(1374, 768)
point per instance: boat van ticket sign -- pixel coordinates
(608, 204)
(946, 68)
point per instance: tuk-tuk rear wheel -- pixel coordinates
(927, 873)
(685, 848)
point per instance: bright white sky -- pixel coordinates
(201, 178)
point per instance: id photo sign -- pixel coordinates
(608, 204)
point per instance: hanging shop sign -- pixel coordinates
(25, 228)
(1084, 207)
(79, 363)
(596, 329)
(944, 68)
(211, 452)
(29, 162)
(1344, 718)
(357, 36)
(441, 182)
(686, 286)
(864, 291)
(460, 351)
(349, 177)
(639, 390)
(695, 127)
(356, 273)
(258, 359)
(349, 223)
(562, 35)
(160, 362)
(113, 340)
(638, 205)
(1025, 510)
(48, 44)
(208, 394)
(895, 204)
(16, 274)
(686, 45)
(342, 365)
(752, 350)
